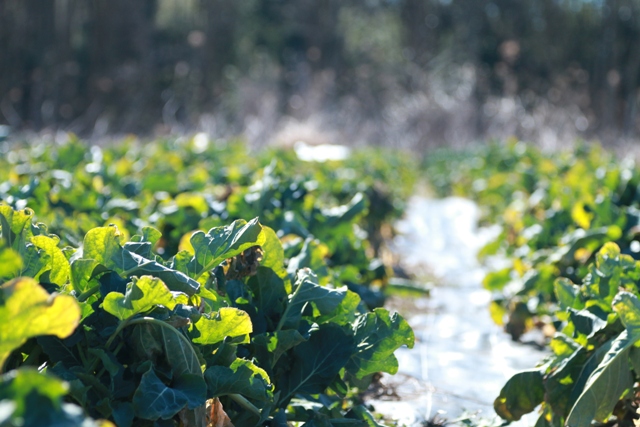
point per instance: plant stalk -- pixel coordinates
(86, 294)
(242, 401)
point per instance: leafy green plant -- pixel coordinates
(592, 372)
(556, 211)
(141, 340)
(178, 187)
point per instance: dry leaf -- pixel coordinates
(216, 417)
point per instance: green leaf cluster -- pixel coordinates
(179, 188)
(593, 370)
(127, 336)
(556, 210)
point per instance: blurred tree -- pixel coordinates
(123, 66)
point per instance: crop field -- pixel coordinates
(188, 282)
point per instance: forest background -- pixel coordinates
(408, 73)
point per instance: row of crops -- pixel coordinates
(185, 283)
(194, 284)
(571, 232)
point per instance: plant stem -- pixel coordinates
(115, 333)
(86, 294)
(242, 401)
(113, 336)
(115, 352)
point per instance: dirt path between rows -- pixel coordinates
(461, 358)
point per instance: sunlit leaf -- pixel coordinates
(143, 294)
(27, 310)
(227, 322)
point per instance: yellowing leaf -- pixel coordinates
(101, 243)
(56, 262)
(185, 243)
(497, 313)
(142, 295)
(229, 322)
(10, 263)
(581, 216)
(27, 310)
(193, 200)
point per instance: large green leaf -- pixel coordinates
(227, 322)
(346, 313)
(143, 294)
(27, 310)
(273, 257)
(242, 377)
(613, 377)
(15, 226)
(586, 322)
(270, 347)
(377, 336)
(225, 242)
(162, 344)
(316, 362)
(33, 264)
(568, 294)
(269, 297)
(520, 395)
(39, 253)
(53, 259)
(606, 385)
(153, 399)
(10, 263)
(82, 274)
(102, 245)
(324, 299)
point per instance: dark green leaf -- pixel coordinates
(269, 296)
(153, 399)
(520, 395)
(58, 351)
(606, 385)
(586, 322)
(154, 342)
(225, 242)
(242, 377)
(307, 290)
(273, 346)
(377, 336)
(316, 362)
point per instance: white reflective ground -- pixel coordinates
(461, 359)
